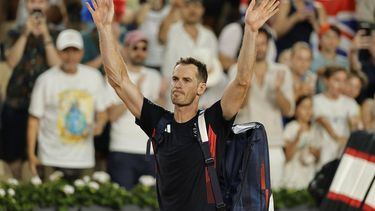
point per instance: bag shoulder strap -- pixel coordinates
(209, 161)
(163, 124)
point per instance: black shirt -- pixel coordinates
(181, 179)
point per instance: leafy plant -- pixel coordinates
(285, 198)
(99, 190)
(85, 192)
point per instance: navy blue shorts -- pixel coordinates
(126, 168)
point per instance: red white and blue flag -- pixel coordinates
(342, 14)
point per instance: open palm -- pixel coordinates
(256, 17)
(102, 12)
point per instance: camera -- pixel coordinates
(37, 13)
(367, 27)
(309, 5)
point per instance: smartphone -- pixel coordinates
(37, 13)
(367, 27)
(309, 5)
(364, 54)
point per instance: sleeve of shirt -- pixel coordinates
(287, 89)
(317, 107)
(150, 116)
(37, 102)
(354, 108)
(101, 99)
(290, 131)
(230, 40)
(214, 115)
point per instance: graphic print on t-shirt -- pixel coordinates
(75, 115)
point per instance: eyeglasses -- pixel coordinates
(136, 48)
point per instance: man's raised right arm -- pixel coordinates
(114, 65)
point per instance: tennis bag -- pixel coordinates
(245, 179)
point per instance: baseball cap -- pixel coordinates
(69, 38)
(134, 36)
(325, 27)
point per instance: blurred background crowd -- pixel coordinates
(314, 81)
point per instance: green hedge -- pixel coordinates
(102, 192)
(291, 198)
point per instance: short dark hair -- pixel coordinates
(331, 70)
(202, 69)
(301, 98)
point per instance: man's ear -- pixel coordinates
(201, 88)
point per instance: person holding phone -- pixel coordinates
(364, 40)
(31, 53)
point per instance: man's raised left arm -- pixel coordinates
(235, 92)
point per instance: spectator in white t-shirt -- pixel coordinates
(126, 160)
(67, 109)
(335, 114)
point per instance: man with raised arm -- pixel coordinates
(181, 177)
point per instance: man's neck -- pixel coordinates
(183, 114)
(69, 70)
(331, 96)
(260, 65)
(134, 68)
